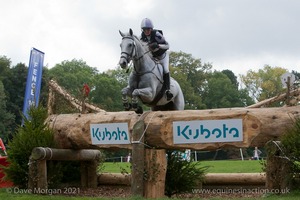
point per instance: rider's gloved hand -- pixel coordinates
(153, 46)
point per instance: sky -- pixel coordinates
(239, 35)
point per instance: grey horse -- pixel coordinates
(146, 79)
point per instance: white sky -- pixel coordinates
(230, 34)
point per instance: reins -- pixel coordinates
(129, 56)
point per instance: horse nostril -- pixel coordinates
(124, 63)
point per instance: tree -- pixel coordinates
(190, 74)
(6, 118)
(72, 75)
(232, 77)
(15, 83)
(4, 66)
(265, 83)
(107, 93)
(220, 92)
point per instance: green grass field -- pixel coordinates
(222, 166)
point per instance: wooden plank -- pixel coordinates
(137, 185)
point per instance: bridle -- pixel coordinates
(130, 56)
(133, 56)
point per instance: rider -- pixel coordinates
(158, 46)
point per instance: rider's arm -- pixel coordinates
(162, 43)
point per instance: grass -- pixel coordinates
(222, 166)
(233, 166)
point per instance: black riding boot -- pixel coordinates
(167, 84)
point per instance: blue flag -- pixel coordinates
(34, 80)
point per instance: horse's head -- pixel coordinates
(127, 48)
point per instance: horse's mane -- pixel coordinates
(140, 41)
(146, 48)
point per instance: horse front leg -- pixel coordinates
(138, 109)
(146, 94)
(125, 93)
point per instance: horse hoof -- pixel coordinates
(139, 110)
(127, 106)
(135, 106)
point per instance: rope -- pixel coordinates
(281, 151)
(142, 117)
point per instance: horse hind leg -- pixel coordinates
(137, 108)
(178, 98)
(179, 101)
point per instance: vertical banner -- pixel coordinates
(34, 80)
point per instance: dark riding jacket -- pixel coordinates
(156, 36)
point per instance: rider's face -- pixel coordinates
(147, 31)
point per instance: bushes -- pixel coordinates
(182, 175)
(291, 148)
(34, 133)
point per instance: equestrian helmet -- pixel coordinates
(147, 23)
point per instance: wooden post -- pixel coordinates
(156, 168)
(33, 174)
(89, 178)
(42, 175)
(38, 165)
(137, 173)
(92, 173)
(288, 96)
(278, 169)
(83, 174)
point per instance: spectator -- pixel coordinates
(256, 153)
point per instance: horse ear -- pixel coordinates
(122, 34)
(130, 31)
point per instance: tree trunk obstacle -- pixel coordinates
(152, 133)
(260, 125)
(38, 166)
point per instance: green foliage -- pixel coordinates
(72, 75)
(4, 66)
(220, 91)
(265, 83)
(34, 133)
(107, 93)
(6, 118)
(291, 145)
(190, 74)
(182, 175)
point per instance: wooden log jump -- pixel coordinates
(259, 126)
(38, 165)
(156, 133)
